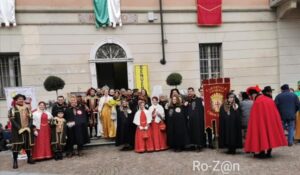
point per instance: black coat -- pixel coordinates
(15, 119)
(195, 113)
(57, 108)
(78, 134)
(177, 134)
(125, 128)
(230, 131)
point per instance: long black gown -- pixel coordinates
(230, 133)
(195, 112)
(125, 127)
(78, 134)
(177, 134)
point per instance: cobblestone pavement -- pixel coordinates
(108, 160)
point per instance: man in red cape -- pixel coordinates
(265, 130)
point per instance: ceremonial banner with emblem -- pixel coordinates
(142, 77)
(209, 12)
(215, 91)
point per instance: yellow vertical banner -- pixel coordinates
(142, 77)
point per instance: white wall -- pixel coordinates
(289, 50)
(62, 48)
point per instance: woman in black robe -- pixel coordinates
(77, 131)
(177, 134)
(125, 127)
(230, 133)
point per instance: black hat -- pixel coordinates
(285, 87)
(18, 96)
(267, 89)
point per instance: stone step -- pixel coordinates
(100, 142)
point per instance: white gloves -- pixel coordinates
(70, 124)
(36, 133)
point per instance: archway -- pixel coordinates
(111, 64)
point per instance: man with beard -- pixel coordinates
(22, 129)
(60, 105)
(195, 114)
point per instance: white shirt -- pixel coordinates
(158, 110)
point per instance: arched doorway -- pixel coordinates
(111, 64)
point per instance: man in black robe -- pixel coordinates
(77, 122)
(60, 105)
(22, 129)
(195, 115)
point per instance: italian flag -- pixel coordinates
(107, 13)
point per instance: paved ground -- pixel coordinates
(108, 160)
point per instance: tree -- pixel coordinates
(53, 83)
(174, 79)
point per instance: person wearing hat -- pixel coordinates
(22, 129)
(297, 133)
(265, 130)
(288, 105)
(267, 91)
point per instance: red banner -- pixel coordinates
(209, 12)
(215, 91)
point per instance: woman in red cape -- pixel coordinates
(143, 135)
(42, 147)
(265, 129)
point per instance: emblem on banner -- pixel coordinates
(216, 101)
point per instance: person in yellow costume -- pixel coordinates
(106, 118)
(297, 132)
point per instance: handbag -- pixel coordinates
(145, 134)
(162, 126)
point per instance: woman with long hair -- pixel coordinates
(41, 121)
(230, 135)
(177, 134)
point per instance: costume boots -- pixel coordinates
(15, 157)
(29, 157)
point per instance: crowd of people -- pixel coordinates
(135, 121)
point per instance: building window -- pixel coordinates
(110, 51)
(10, 71)
(210, 61)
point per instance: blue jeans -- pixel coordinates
(289, 125)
